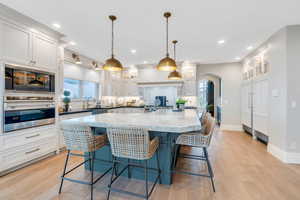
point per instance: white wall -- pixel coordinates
(293, 89)
(231, 77)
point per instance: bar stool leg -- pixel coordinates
(158, 166)
(63, 175)
(146, 179)
(92, 172)
(90, 162)
(112, 176)
(211, 174)
(128, 170)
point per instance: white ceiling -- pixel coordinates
(196, 24)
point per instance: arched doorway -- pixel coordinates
(209, 94)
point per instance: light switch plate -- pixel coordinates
(294, 104)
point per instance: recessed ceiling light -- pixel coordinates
(249, 47)
(56, 25)
(237, 58)
(133, 51)
(221, 42)
(72, 43)
(145, 62)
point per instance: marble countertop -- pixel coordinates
(168, 121)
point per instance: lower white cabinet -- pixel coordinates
(26, 145)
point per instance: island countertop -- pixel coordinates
(168, 121)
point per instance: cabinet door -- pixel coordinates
(260, 106)
(246, 105)
(16, 44)
(44, 52)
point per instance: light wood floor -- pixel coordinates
(243, 171)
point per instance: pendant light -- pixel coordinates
(174, 75)
(112, 64)
(167, 63)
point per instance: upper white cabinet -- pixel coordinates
(44, 52)
(16, 44)
(25, 47)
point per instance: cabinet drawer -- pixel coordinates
(27, 136)
(16, 156)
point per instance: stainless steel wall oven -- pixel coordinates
(27, 112)
(28, 80)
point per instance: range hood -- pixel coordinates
(177, 83)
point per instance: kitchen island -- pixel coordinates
(166, 125)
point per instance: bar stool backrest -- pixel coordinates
(78, 137)
(129, 142)
(210, 129)
(202, 117)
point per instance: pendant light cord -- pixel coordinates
(112, 38)
(174, 51)
(167, 41)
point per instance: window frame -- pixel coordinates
(81, 82)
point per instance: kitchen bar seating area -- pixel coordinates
(167, 100)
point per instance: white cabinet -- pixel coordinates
(22, 46)
(44, 52)
(246, 104)
(16, 44)
(260, 106)
(22, 146)
(255, 100)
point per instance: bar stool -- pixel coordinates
(81, 138)
(201, 140)
(133, 143)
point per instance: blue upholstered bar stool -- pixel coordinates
(81, 138)
(133, 144)
(200, 140)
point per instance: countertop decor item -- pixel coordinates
(180, 103)
(167, 63)
(112, 64)
(67, 100)
(174, 75)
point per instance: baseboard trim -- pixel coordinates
(231, 127)
(286, 157)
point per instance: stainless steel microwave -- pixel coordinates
(28, 80)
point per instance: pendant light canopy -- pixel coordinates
(112, 64)
(167, 63)
(175, 75)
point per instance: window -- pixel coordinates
(73, 86)
(81, 89)
(89, 89)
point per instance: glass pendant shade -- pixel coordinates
(167, 63)
(112, 64)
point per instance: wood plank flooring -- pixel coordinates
(243, 171)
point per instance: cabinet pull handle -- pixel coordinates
(29, 152)
(32, 136)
